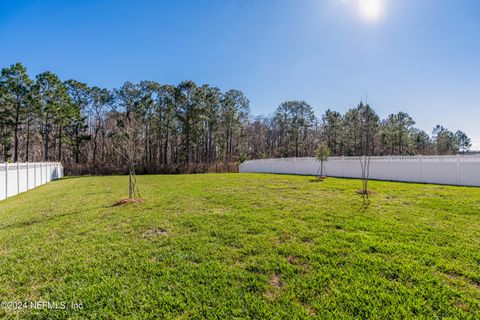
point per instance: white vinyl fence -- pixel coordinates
(20, 177)
(452, 170)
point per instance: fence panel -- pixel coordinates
(404, 169)
(44, 172)
(351, 167)
(48, 172)
(440, 170)
(3, 182)
(22, 174)
(20, 177)
(470, 172)
(451, 170)
(38, 174)
(12, 180)
(31, 176)
(379, 168)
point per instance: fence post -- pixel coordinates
(6, 180)
(343, 166)
(34, 174)
(459, 177)
(18, 179)
(390, 167)
(421, 168)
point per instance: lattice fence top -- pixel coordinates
(449, 158)
(28, 164)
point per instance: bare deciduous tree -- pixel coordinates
(365, 164)
(126, 142)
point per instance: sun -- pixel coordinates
(371, 10)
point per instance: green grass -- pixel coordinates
(242, 245)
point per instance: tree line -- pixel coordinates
(47, 119)
(295, 131)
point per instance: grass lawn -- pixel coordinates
(241, 245)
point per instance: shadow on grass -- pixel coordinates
(38, 220)
(316, 180)
(365, 202)
(69, 178)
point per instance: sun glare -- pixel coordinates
(370, 9)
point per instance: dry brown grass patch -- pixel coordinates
(275, 287)
(155, 232)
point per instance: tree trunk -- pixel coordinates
(130, 181)
(210, 144)
(17, 120)
(60, 143)
(27, 153)
(145, 146)
(77, 144)
(95, 144)
(187, 146)
(45, 138)
(296, 146)
(165, 149)
(5, 153)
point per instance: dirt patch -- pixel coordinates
(284, 237)
(292, 259)
(219, 211)
(275, 281)
(127, 201)
(461, 279)
(311, 310)
(155, 232)
(275, 287)
(465, 307)
(452, 276)
(296, 261)
(308, 240)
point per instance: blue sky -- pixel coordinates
(422, 57)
